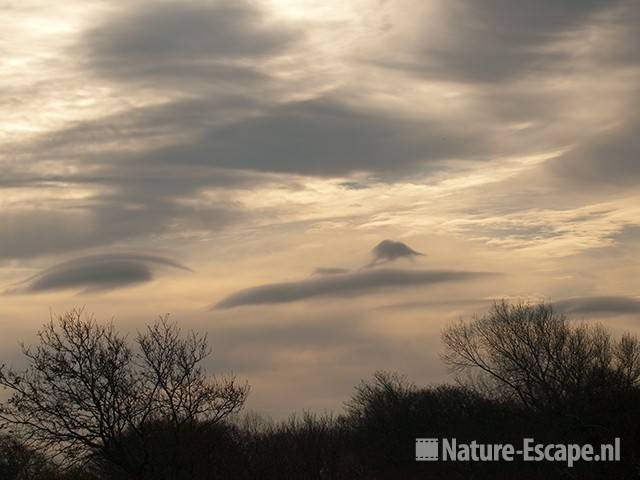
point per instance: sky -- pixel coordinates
(320, 186)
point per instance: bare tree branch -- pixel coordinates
(87, 391)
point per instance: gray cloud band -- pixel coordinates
(96, 272)
(349, 284)
(607, 305)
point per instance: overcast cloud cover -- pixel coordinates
(165, 156)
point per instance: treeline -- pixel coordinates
(91, 406)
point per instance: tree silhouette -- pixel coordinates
(92, 405)
(87, 391)
(539, 357)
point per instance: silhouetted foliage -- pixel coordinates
(536, 356)
(152, 413)
(17, 462)
(86, 391)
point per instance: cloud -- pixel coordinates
(94, 191)
(490, 41)
(606, 158)
(530, 70)
(105, 219)
(348, 284)
(326, 137)
(330, 271)
(142, 172)
(323, 136)
(177, 43)
(354, 185)
(609, 305)
(96, 273)
(389, 250)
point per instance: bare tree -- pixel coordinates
(87, 391)
(539, 357)
(378, 395)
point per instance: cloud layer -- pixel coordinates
(348, 284)
(497, 40)
(170, 43)
(325, 137)
(209, 99)
(611, 305)
(97, 273)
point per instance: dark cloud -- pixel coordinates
(96, 272)
(142, 189)
(30, 232)
(607, 158)
(104, 220)
(112, 137)
(324, 136)
(329, 138)
(123, 199)
(107, 152)
(179, 43)
(628, 238)
(351, 185)
(349, 284)
(613, 305)
(148, 166)
(618, 46)
(490, 41)
(139, 189)
(518, 63)
(389, 250)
